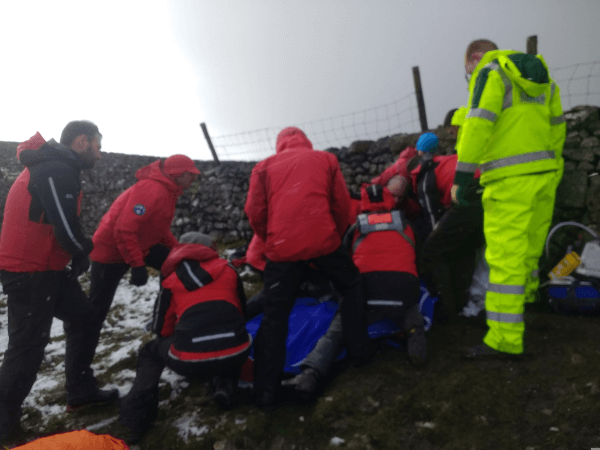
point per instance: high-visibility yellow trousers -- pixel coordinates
(517, 215)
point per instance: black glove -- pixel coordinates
(139, 276)
(79, 265)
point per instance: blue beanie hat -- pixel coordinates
(428, 142)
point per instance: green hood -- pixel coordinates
(528, 71)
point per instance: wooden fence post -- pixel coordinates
(532, 45)
(210, 145)
(420, 99)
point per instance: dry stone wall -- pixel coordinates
(215, 204)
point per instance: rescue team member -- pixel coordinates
(448, 253)
(396, 178)
(514, 132)
(298, 203)
(199, 320)
(382, 246)
(41, 234)
(135, 233)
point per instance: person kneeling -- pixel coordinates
(200, 322)
(382, 246)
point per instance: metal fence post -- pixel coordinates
(420, 100)
(210, 145)
(532, 45)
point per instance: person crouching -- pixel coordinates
(200, 322)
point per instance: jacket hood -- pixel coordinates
(292, 137)
(154, 172)
(195, 252)
(529, 72)
(376, 198)
(36, 150)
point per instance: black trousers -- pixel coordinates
(104, 281)
(448, 255)
(282, 280)
(390, 295)
(139, 407)
(34, 299)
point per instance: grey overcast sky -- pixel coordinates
(148, 72)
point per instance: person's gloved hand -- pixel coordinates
(462, 180)
(79, 265)
(139, 276)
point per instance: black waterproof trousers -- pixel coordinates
(390, 295)
(34, 299)
(104, 281)
(448, 256)
(282, 280)
(138, 409)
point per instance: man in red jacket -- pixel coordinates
(199, 320)
(299, 205)
(135, 233)
(396, 178)
(41, 234)
(382, 244)
(451, 233)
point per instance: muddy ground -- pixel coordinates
(549, 400)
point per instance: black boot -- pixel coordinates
(224, 391)
(304, 383)
(138, 411)
(95, 397)
(416, 341)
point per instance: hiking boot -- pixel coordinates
(98, 397)
(223, 391)
(416, 346)
(264, 399)
(138, 411)
(135, 433)
(304, 383)
(483, 351)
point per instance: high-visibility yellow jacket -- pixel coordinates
(458, 120)
(515, 123)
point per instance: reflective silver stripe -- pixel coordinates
(504, 317)
(540, 99)
(483, 113)
(517, 159)
(506, 288)
(212, 337)
(62, 215)
(385, 302)
(558, 120)
(192, 274)
(552, 90)
(466, 167)
(535, 273)
(507, 101)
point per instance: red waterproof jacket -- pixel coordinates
(444, 169)
(409, 203)
(298, 201)
(398, 168)
(202, 302)
(41, 230)
(255, 255)
(385, 250)
(138, 219)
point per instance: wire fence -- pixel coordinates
(370, 124)
(579, 83)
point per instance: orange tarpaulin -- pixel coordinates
(75, 440)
